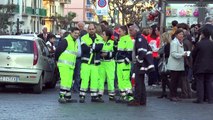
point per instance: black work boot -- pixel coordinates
(97, 99)
(112, 98)
(61, 99)
(82, 99)
(70, 100)
(121, 99)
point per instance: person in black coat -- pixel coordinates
(202, 56)
(44, 36)
(143, 64)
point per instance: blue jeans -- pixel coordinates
(76, 77)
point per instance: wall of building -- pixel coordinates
(77, 6)
(31, 21)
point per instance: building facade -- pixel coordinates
(29, 13)
(83, 9)
(54, 8)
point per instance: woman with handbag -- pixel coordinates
(154, 42)
(164, 74)
(176, 63)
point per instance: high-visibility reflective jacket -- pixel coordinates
(91, 49)
(108, 48)
(68, 57)
(124, 50)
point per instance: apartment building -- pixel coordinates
(54, 8)
(30, 14)
(83, 9)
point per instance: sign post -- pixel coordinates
(19, 16)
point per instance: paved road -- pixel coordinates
(22, 104)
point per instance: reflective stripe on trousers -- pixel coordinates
(66, 62)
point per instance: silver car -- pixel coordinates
(26, 60)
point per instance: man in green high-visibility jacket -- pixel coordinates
(66, 57)
(91, 45)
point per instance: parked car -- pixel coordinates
(26, 60)
(30, 35)
(57, 40)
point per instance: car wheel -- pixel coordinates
(38, 88)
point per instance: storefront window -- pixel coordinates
(183, 13)
(210, 9)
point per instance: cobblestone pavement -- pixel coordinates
(22, 104)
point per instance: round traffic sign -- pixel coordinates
(102, 3)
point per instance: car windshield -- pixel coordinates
(16, 46)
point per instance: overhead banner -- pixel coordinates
(102, 7)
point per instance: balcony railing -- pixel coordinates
(43, 12)
(31, 11)
(28, 10)
(16, 9)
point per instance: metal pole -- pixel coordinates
(17, 31)
(162, 16)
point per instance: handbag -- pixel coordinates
(162, 66)
(161, 50)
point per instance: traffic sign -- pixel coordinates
(102, 7)
(102, 3)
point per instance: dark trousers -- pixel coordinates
(165, 82)
(185, 88)
(202, 81)
(76, 76)
(176, 77)
(184, 84)
(140, 90)
(154, 76)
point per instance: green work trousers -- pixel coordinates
(66, 75)
(107, 71)
(123, 74)
(89, 72)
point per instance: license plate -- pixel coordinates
(9, 78)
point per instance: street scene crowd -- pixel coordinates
(121, 58)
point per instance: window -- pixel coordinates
(89, 15)
(43, 47)
(16, 46)
(88, 2)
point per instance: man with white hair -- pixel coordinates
(61, 33)
(81, 26)
(44, 35)
(143, 64)
(208, 20)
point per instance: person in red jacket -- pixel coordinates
(145, 32)
(154, 42)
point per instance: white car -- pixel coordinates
(26, 60)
